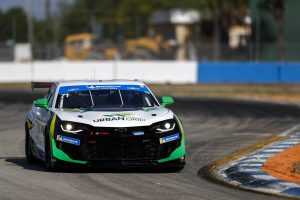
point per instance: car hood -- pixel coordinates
(143, 117)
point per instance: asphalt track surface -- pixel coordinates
(214, 128)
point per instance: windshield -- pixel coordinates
(93, 99)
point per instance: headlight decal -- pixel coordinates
(57, 153)
(69, 128)
(165, 126)
(180, 151)
(73, 127)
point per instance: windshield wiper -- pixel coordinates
(121, 99)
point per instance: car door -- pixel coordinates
(42, 116)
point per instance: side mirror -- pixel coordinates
(166, 101)
(42, 103)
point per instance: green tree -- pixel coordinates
(13, 25)
(276, 8)
(77, 17)
(278, 11)
(43, 32)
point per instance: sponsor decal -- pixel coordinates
(74, 89)
(133, 88)
(77, 88)
(149, 109)
(109, 119)
(138, 133)
(119, 117)
(68, 140)
(169, 138)
(103, 87)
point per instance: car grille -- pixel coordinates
(121, 144)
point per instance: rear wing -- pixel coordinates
(35, 85)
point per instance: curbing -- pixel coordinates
(242, 168)
(209, 169)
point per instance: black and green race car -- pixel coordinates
(103, 124)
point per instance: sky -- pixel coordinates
(38, 6)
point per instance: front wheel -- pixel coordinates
(28, 147)
(49, 161)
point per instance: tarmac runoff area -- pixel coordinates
(268, 169)
(214, 128)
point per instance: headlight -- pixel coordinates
(70, 127)
(165, 126)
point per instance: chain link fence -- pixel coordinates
(198, 51)
(6, 53)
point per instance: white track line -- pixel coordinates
(290, 130)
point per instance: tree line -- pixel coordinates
(77, 17)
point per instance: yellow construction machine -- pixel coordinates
(83, 46)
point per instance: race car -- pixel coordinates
(103, 124)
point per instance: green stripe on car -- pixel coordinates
(180, 151)
(57, 153)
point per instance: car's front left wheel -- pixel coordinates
(49, 161)
(28, 147)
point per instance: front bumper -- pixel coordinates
(178, 164)
(120, 147)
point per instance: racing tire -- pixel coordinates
(49, 161)
(28, 147)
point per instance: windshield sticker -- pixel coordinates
(78, 88)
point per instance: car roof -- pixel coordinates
(100, 82)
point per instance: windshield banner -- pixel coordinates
(78, 88)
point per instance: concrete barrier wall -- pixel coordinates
(290, 73)
(148, 71)
(248, 72)
(153, 71)
(14, 72)
(159, 72)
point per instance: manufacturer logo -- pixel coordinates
(169, 138)
(121, 130)
(68, 140)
